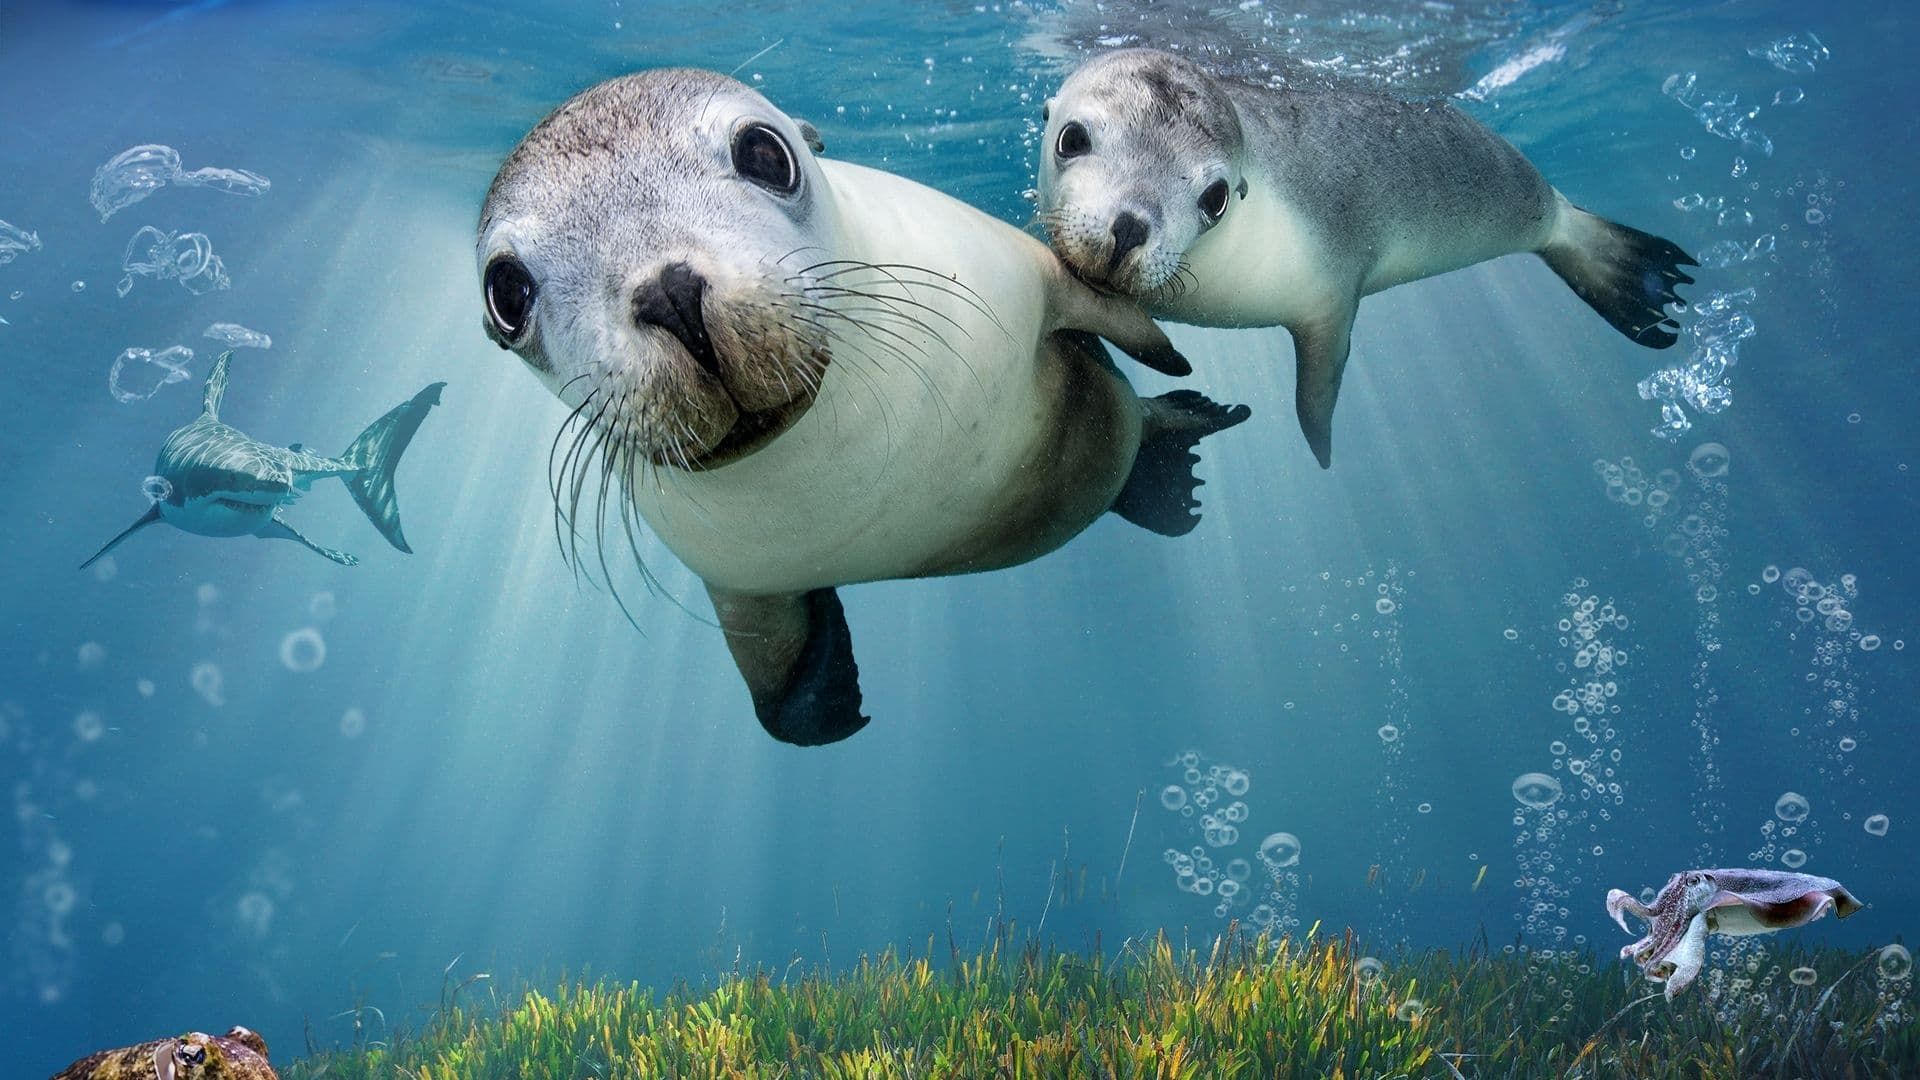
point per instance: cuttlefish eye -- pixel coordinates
(1213, 201)
(1073, 141)
(762, 156)
(192, 1055)
(510, 292)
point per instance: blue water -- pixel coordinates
(492, 771)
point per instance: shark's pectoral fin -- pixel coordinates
(277, 529)
(152, 515)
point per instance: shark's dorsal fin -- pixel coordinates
(216, 386)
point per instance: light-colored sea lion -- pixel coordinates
(1220, 203)
(801, 374)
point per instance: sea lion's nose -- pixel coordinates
(1129, 232)
(673, 303)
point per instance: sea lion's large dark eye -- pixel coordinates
(509, 296)
(1213, 201)
(761, 155)
(1073, 141)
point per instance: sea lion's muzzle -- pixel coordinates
(673, 301)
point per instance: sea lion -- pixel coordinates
(213, 480)
(1220, 203)
(801, 373)
(240, 1054)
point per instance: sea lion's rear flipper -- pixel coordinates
(278, 529)
(152, 515)
(1319, 363)
(1628, 276)
(1159, 492)
(1074, 306)
(796, 655)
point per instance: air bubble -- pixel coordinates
(1895, 963)
(303, 650)
(1536, 790)
(1876, 825)
(1173, 796)
(1280, 850)
(1792, 807)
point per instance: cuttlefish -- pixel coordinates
(240, 1054)
(1733, 902)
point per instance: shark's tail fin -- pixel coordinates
(376, 453)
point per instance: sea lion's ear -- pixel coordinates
(811, 136)
(796, 655)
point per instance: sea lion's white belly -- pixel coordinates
(915, 439)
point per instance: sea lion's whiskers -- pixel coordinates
(561, 432)
(579, 455)
(898, 351)
(593, 439)
(553, 452)
(934, 283)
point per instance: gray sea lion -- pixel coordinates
(1224, 204)
(240, 1054)
(801, 373)
(216, 481)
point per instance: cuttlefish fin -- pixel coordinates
(152, 515)
(278, 529)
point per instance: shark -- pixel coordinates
(220, 482)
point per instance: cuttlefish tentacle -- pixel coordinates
(1682, 965)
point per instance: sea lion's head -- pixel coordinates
(647, 251)
(1141, 156)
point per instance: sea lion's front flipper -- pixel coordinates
(152, 515)
(1320, 361)
(278, 529)
(796, 655)
(1159, 491)
(1074, 306)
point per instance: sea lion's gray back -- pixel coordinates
(1375, 174)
